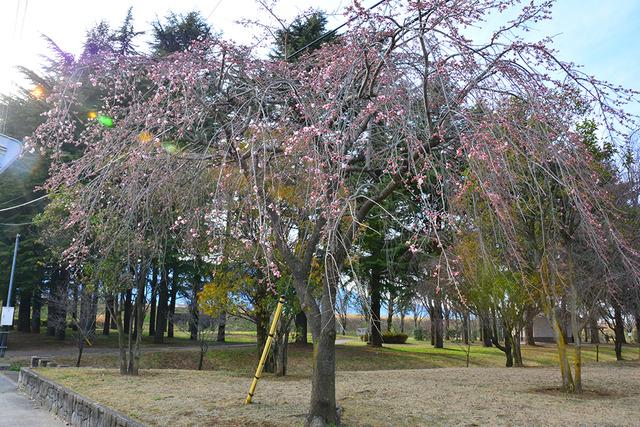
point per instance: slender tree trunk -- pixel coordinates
(403, 314)
(573, 312)
(375, 285)
(516, 350)
(201, 358)
(432, 325)
(465, 328)
(507, 348)
(594, 331)
(390, 311)
(36, 310)
(172, 306)
(107, 316)
(447, 319)
(193, 306)
(637, 316)
(163, 302)
(485, 329)
(134, 322)
(61, 310)
(618, 330)
(80, 348)
(222, 325)
(262, 331)
(154, 297)
(52, 316)
(282, 355)
(24, 311)
(438, 341)
(116, 316)
(128, 300)
(74, 308)
(301, 328)
(86, 320)
(529, 315)
(280, 347)
(116, 306)
(134, 354)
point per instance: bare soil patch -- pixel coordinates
(448, 396)
(585, 394)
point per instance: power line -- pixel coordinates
(11, 200)
(214, 9)
(18, 224)
(24, 204)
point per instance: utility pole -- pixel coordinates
(7, 312)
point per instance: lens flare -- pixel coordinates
(105, 121)
(92, 115)
(170, 147)
(38, 92)
(145, 137)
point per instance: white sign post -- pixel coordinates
(10, 150)
(7, 316)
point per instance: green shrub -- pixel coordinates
(418, 334)
(394, 338)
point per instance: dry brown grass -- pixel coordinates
(463, 396)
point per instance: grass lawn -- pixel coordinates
(450, 396)
(353, 355)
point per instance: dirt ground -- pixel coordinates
(448, 396)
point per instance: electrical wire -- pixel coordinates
(24, 204)
(10, 201)
(214, 9)
(17, 224)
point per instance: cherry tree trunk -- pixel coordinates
(323, 379)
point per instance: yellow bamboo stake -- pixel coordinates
(265, 351)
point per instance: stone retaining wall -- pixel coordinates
(68, 405)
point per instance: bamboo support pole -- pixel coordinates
(265, 351)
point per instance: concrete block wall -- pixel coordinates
(68, 405)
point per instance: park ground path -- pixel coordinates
(17, 410)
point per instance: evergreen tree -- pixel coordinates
(305, 29)
(178, 32)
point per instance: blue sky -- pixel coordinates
(604, 36)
